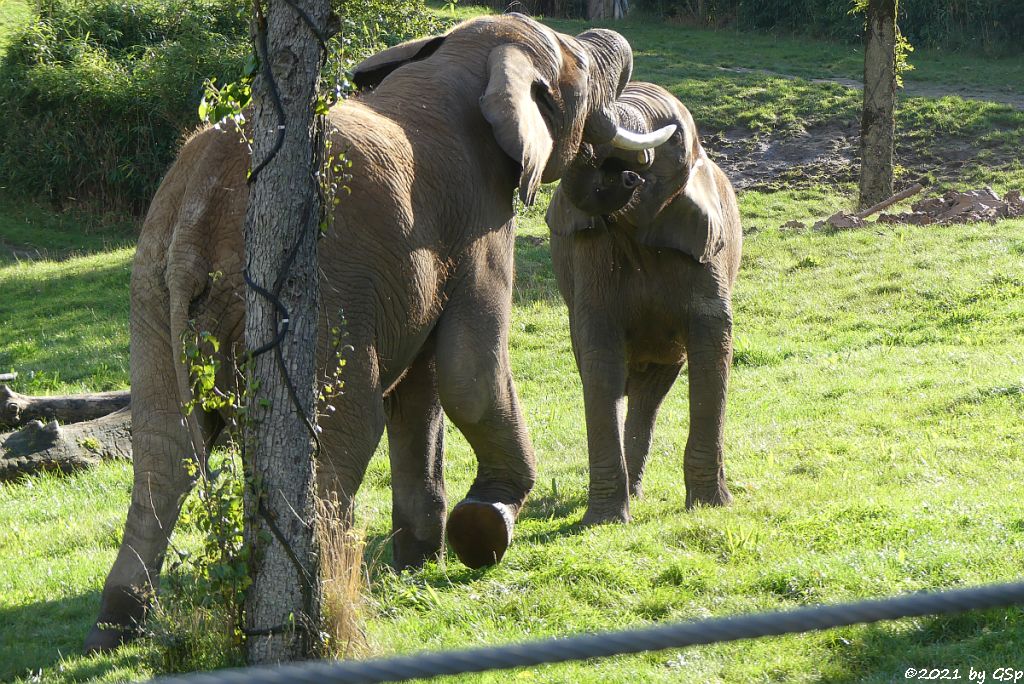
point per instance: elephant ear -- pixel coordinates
(371, 71)
(509, 106)
(563, 218)
(692, 220)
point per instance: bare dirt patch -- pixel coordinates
(831, 154)
(822, 154)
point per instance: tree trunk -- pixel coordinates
(18, 409)
(600, 9)
(878, 125)
(281, 228)
(39, 447)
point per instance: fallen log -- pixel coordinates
(4, 377)
(899, 196)
(18, 409)
(42, 446)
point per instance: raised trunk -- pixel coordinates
(39, 446)
(878, 126)
(18, 409)
(281, 228)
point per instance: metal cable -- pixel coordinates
(712, 630)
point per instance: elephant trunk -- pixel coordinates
(611, 60)
(611, 66)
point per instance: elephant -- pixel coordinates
(446, 129)
(645, 247)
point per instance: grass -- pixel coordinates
(873, 447)
(13, 15)
(718, 75)
(64, 309)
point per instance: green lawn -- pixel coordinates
(873, 438)
(13, 15)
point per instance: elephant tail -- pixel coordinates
(185, 333)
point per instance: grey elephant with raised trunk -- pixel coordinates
(419, 259)
(646, 246)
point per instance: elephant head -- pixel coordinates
(543, 93)
(669, 194)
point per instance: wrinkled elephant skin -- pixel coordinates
(647, 270)
(418, 261)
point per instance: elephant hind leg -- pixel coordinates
(161, 445)
(415, 425)
(351, 433)
(646, 388)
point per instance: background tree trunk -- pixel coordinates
(600, 9)
(281, 228)
(878, 125)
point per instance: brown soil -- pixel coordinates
(831, 154)
(819, 154)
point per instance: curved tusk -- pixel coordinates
(627, 140)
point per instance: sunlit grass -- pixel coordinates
(873, 440)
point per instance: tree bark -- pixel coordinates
(878, 125)
(281, 228)
(18, 409)
(39, 446)
(600, 9)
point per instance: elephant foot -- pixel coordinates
(710, 495)
(104, 637)
(480, 532)
(413, 553)
(603, 515)
(120, 620)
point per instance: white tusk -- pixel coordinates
(627, 140)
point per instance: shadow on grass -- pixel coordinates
(550, 504)
(985, 640)
(42, 635)
(558, 509)
(535, 281)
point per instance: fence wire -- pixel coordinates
(583, 647)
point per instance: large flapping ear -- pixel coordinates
(691, 221)
(372, 70)
(508, 105)
(563, 218)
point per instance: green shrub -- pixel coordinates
(96, 94)
(991, 25)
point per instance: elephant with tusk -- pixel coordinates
(419, 259)
(645, 250)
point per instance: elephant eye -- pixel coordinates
(544, 98)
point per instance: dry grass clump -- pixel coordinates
(344, 581)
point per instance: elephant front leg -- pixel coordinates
(602, 368)
(646, 388)
(415, 425)
(477, 393)
(709, 355)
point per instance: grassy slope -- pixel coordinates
(872, 445)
